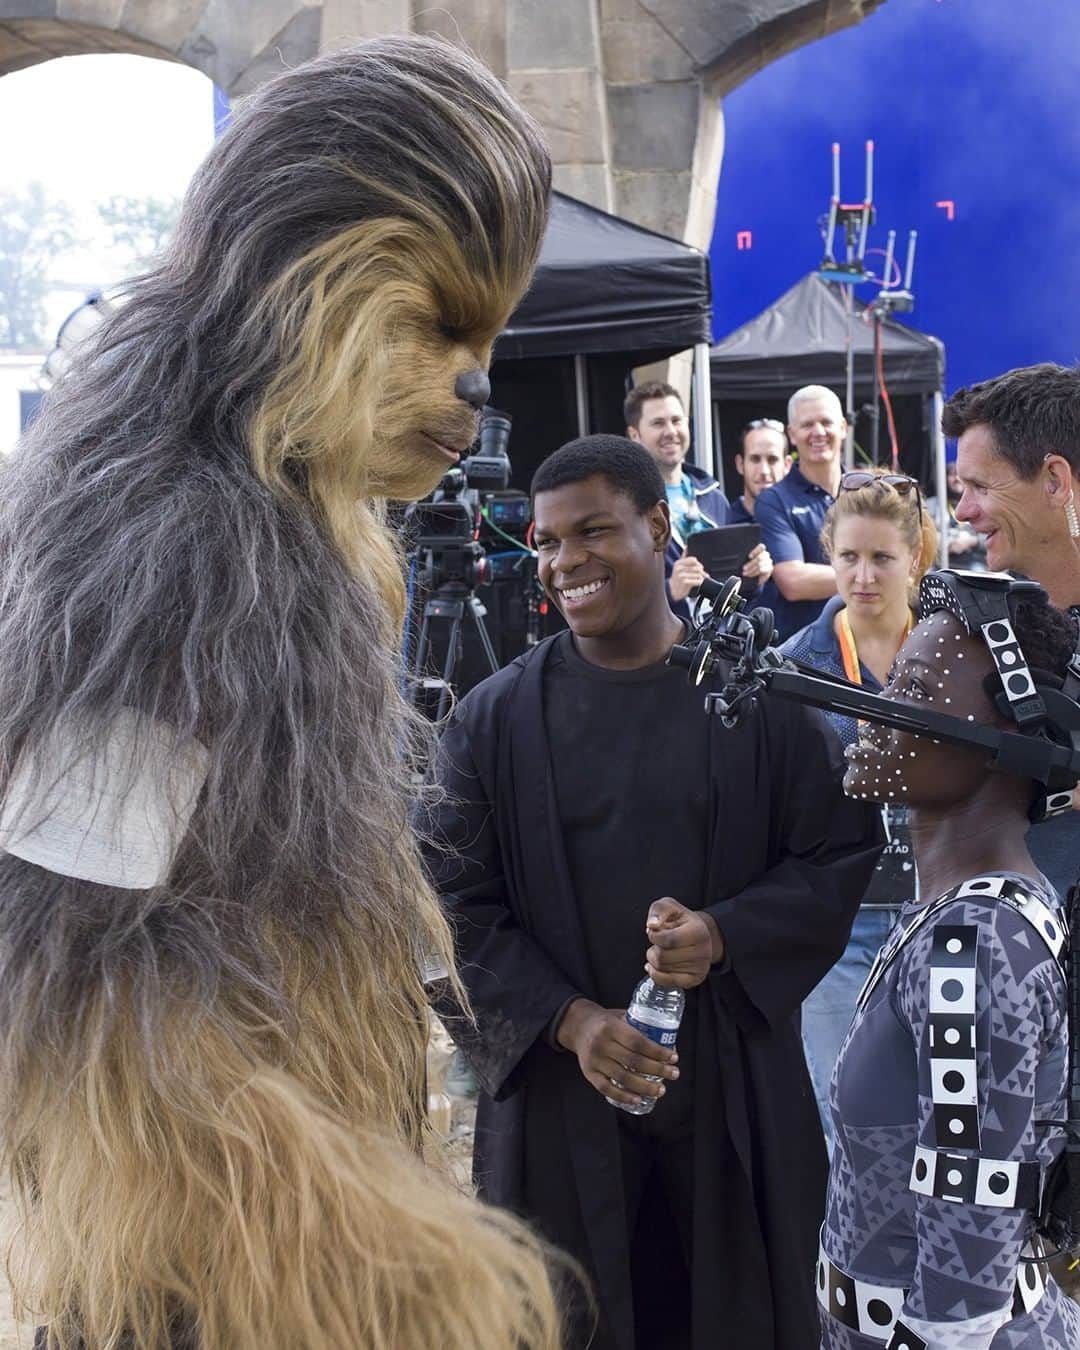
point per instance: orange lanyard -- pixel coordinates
(848, 653)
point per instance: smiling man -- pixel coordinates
(585, 790)
(792, 512)
(1018, 464)
(656, 419)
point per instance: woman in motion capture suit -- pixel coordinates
(958, 1055)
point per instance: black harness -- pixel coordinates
(1045, 747)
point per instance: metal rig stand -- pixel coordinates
(452, 603)
(887, 303)
(856, 220)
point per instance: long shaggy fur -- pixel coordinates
(209, 1092)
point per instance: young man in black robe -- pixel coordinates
(585, 784)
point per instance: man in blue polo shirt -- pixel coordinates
(791, 513)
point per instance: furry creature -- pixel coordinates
(212, 1021)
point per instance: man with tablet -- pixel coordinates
(656, 418)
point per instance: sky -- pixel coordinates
(92, 127)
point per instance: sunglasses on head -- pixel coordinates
(768, 422)
(899, 482)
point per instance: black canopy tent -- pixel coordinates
(802, 339)
(604, 286)
(607, 296)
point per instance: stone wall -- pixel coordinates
(628, 91)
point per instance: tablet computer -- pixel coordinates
(724, 550)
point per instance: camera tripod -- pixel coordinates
(453, 602)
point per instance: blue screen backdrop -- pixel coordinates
(974, 102)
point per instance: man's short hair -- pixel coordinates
(763, 424)
(628, 468)
(640, 395)
(808, 392)
(1031, 412)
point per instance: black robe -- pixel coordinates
(788, 862)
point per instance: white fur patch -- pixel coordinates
(116, 816)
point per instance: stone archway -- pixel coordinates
(628, 90)
(236, 45)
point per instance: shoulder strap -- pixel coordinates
(1049, 923)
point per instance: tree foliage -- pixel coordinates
(142, 225)
(34, 231)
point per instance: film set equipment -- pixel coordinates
(737, 648)
(448, 535)
(850, 271)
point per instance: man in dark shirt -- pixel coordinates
(585, 793)
(1018, 468)
(792, 513)
(764, 460)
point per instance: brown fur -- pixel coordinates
(248, 1189)
(211, 1093)
(387, 317)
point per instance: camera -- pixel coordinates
(449, 533)
(470, 532)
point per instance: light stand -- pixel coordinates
(856, 221)
(887, 303)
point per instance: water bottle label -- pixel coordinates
(664, 1036)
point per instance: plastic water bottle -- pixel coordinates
(656, 1013)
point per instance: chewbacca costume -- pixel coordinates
(212, 916)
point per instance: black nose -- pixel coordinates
(473, 387)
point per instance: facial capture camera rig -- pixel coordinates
(1045, 747)
(448, 536)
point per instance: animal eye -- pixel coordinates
(449, 332)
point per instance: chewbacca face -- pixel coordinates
(425, 402)
(373, 218)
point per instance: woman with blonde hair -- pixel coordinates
(880, 540)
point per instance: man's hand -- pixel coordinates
(758, 564)
(685, 575)
(612, 1055)
(685, 944)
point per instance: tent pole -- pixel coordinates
(701, 409)
(718, 449)
(937, 440)
(875, 415)
(849, 405)
(581, 388)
